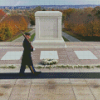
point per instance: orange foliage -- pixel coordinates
(90, 29)
(96, 28)
(80, 29)
(8, 28)
(4, 31)
(66, 25)
(2, 13)
(82, 22)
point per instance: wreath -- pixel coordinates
(49, 61)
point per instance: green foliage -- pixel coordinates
(98, 13)
(12, 67)
(98, 66)
(63, 18)
(89, 15)
(69, 11)
(32, 22)
(87, 66)
(43, 9)
(5, 33)
(32, 19)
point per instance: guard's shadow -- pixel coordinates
(45, 75)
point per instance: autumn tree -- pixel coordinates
(8, 28)
(83, 22)
(32, 19)
(4, 31)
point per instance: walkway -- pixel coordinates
(90, 53)
(54, 83)
(70, 38)
(31, 87)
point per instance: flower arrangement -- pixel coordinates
(49, 61)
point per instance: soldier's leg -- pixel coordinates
(32, 68)
(22, 69)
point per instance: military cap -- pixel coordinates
(27, 33)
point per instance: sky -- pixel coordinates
(47, 2)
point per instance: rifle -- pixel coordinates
(25, 37)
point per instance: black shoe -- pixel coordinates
(37, 73)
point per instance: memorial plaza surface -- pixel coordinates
(90, 53)
(54, 83)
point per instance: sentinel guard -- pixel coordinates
(26, 58)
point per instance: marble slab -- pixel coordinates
(49, 55)
(85, 55)
(12, 55)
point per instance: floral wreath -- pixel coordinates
(49, 61)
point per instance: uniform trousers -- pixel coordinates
(23, 67)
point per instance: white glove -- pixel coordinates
(34, 49)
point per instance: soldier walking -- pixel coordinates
(26, 58)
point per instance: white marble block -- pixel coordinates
(12, 55)
(48, 32)
(49, 55)
(85, 55)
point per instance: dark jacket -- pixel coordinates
(26, 58)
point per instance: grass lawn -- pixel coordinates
(32, 37)
(81, 38)
(16, 36)
(54, 66)
(65, 39)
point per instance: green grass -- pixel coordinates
(32, 37)
(12, 67)
(82, 38)
(17, 36)
(67, 66)
(39, 67)
(65, 39)
(57, 66)
(98, 66)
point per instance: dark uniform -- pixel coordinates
(26, 58)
